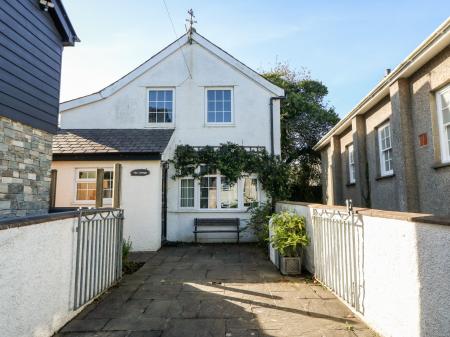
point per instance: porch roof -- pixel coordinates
(75, 142)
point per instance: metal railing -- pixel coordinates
(99, 252)
(338, 254)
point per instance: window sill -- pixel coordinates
(160, 126)
(385, 177)
(438, 165)
(220, 125)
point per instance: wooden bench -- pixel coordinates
(217, 222)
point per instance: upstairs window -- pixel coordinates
(385, 149)
(160, 106)
(219, 106)
(351, 165)
(443, 109)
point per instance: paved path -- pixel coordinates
(214, 290)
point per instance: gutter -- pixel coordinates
(272, 149)
(382, 89)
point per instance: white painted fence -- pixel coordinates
(402, 284)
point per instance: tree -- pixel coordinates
(305, 118)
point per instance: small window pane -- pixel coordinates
(446, 115)
(187, 193)
(219, 95)
(227, 106)
(169, 95)
(211, 95)
(445, 99)
(211, 116)
(168, 118)
(160, 95)
(211, 107)
(152, 117)
(228, 194)
(227, 95)
(152, 95)
(168, 106)
(227, 116)
(219, 116)
(250, 192)
(160, 117)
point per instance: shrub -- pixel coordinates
(289, 233)
(259, 222)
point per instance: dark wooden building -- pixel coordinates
(33, 34)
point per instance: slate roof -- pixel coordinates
(96, 141)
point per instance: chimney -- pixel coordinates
(387, 72)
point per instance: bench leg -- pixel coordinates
(238, 237)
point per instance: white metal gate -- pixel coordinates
(338, 254)
(99, 252)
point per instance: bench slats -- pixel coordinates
(217, 222)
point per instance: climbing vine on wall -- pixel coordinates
(233, 161)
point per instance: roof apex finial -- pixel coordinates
(191, 22)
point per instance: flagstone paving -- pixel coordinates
(214, 290)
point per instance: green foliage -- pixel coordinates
(259, 222)
(289, 233)
(126, 248)
(305, 119)
(233, 161)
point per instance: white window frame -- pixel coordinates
(443, 135)
(106, 201)
(381, 151)
(179, 193)
(351, 164)
(147, 101)
(218, 176)
(218, 124)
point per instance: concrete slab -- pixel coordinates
(214, 290)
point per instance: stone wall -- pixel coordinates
(25, 159)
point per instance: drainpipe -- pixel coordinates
(272, 150)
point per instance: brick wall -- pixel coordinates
(25, 159)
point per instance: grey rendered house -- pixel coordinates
(33, 34)
(392, 151)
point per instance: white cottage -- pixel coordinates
(192, 92)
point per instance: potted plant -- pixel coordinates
(288, 238)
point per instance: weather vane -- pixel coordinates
(191, 22)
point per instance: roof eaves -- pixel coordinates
(63, 24)
(124, 80)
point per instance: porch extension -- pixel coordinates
(214, 290)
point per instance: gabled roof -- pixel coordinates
(169, 50)
(433, 45)
(70, 142)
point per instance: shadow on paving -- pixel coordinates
(214, 290)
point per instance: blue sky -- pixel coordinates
(345, 44)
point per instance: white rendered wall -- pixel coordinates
(140, 198)
(36, 278)
(406, 274)
(128, 108)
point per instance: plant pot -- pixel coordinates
(290, 265)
